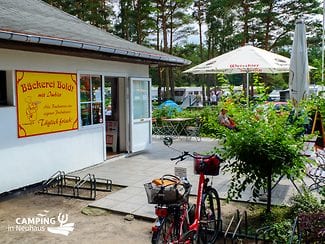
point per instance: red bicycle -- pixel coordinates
(179, 221)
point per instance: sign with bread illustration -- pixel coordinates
(46, 102)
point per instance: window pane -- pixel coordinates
(97, 88)
(108, 96)
(85, 114)
(141, 99)
(97, 113)
(179, 93)
(84, 88)
(91, 99)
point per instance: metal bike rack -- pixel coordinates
(262, 233)
(87, 182)
(237, 221)
(61, 184)
(55, 181)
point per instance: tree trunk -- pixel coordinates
(169, 69)
(159, 68)
(268, 26)
(269, 191)
(165, 48)
(201, 77)
(246, 12)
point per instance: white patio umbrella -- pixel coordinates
(299, 69)
(246, 59)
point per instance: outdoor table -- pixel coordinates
(176, 126)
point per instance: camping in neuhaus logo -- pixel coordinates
(42, 222)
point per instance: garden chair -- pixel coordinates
(157, 128)
(194, 130)
(316, 171)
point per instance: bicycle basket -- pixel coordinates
(166, 193)
(207, 165)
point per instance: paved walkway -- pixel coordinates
(133, 172)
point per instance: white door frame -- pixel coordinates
(140, 136)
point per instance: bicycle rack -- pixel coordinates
(236, 222)
(61, 184)
(56, 180)
(89, 180)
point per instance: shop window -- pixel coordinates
(3, 88)
(91, 95)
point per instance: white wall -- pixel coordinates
(25, 161)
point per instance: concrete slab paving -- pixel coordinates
(136, 170)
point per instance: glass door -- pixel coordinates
(140, 114)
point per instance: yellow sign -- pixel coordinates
(46, 102)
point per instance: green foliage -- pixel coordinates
(260, 88)
(97, 13)
(322, 192)
(316, 103)
(279, 223)
(222, 80)
(316, 75)
(210, 125)
(165, 112)
(135, 21)
(281, 232)
(265, 144)
(306, 203)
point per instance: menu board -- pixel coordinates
(46, 102)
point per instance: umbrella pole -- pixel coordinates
(323, 42)
(247, 88)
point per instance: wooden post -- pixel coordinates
(318, 125)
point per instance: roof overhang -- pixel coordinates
(44, 44)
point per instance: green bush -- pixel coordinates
(165, 112)
(264, 148)
(306, 202)
(281, 232)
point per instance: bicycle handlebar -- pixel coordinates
(181, 157)
(185, 154)
(168, 142)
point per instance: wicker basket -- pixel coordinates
(166, 194)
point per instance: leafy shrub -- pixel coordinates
(281, 232)
(264, 147)
(322, 193)
(306, 202)
(165, 112)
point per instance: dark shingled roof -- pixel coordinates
(36, 22)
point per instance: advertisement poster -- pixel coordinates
(46, 102)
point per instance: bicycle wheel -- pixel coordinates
(165, 233)
(210, 221)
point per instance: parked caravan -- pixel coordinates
(181, 93)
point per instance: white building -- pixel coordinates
(56, 74)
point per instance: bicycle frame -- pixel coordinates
(182, 218)
(173, 224)
(193, 227)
